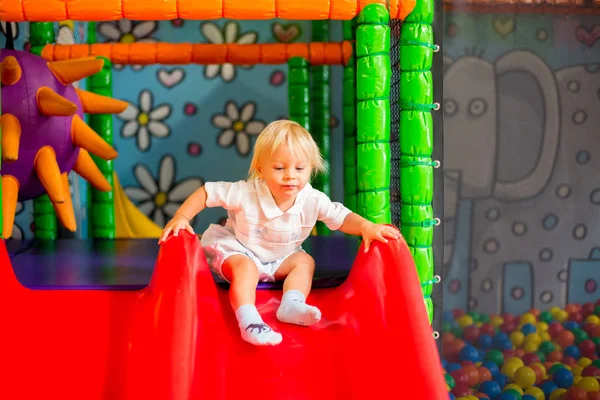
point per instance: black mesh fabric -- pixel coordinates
(395, 25)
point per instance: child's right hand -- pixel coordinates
(177, 223)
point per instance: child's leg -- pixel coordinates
(243, 275)
(298, 270)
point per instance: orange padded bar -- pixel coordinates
(317, 53)
(140, 10)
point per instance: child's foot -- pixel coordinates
(253, 329)
(294, 310)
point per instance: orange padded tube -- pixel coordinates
(111, 10)
(317, 53)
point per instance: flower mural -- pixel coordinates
(126, 31)
(144, 121)
(237, 124)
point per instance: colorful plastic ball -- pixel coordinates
(530, 358)
(584, 362)
(472, 375)
(580, 335)
(524, 377)
(563, 378)
(490, 388)
(464, 320)
(494, 356)
(469, 353)
(589, 384)
(546, 316)
(535, 392)
(501, 379)
(555, 368)
(591, 370)
(558, 394)
(576, 393)
(546, 347)
(564, 338)
(528, 328)
(572, 351)
(460, 377)
(570, 325)
(461, 390)
(485, 341)
(491, 366)
(593, 396)
(570, 361)
(451, 396)
(512, 386)
(528, 318)
(531, 346)
(487, 329)
(509, 395)
(450, 382)
(548, 387)
(539, 371)
(510, 367)
(555, 328)
(471, 333)
(517, 338)
(555, 356)
(528, 397)
(453, 367)
(592, 319)
(587, 348)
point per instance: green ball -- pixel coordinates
(484, 318)
(555, 368)
(457, 331)
(541, 356)
(597, 310)
(546, 317)
(494, 356)
(596, 363)
(475, 315)
(517, 395)
(450, 381)
(580, 335)
(596, 340)
(547, 347)
(446, 327)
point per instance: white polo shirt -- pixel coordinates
(261, 226)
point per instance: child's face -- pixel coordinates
(284, 173)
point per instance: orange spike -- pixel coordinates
(49, 173)
(51, 103)
(87, 168)
(11, 135)
(64, 211)
(10, 71)
(96, 104)
(69, 71)
(83, 136)
(10, 194)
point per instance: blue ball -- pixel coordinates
(448, 316)
(485, 341)
(528, 397)
(481, 355)
(528, 328)
(453, 367)
(563, 378)
(501, 336)
(452, 397)
(572, 351)
(506, 396)
(505, 345)
(548, 388)
(492, 367)
(469, 353)
(490, 388)
(501, 379)
(570, 325)
(444, 363)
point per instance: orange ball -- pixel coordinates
(575, 393)
(555, 356)
(593, 396)
(570, 308)
(484, 374)
(565, 339)
(472, 375)
(539, 373)
(535, 312)
(519, 352)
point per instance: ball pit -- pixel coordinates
(548, 355)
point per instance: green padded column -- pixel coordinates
(320, 99)
(102, 224)
(44, 217)
(373, 75)
(299, 92)
(349, 117)
(416, 141)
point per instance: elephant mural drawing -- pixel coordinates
(520, 224)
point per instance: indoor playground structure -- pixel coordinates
(175, 337)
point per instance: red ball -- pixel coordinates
(460, 377)
(508, 327)
(530, 358)
(508, 353)
(556, 355)
(481, 395)
(572, 308)
(564, 339)
(461, 390)
(487, 329)
(593, 396)
(570, 361)
(588, 328)
(458, 312)
(587, 309)
(519, 352)
(576, 393)
(587, 348)
(596, 332)
(471, 333)
(598, 302)
(472, 375)
(591, 370)
(484, 374)
(555, 328)
(576, 316)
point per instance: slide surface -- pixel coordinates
(131, 223)
(178, 339)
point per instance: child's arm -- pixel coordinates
(356, 225)
(195, 203)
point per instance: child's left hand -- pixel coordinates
(371, 231)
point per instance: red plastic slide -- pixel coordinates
(178, 339)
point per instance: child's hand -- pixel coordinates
(177, 223)
(371, 231)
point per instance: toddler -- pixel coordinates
(269, 216)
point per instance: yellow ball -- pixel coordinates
(576, 379)
(496, 320)
(584, 362)
(554, 310)
(517, 338)
(511, 366)
(524, 377)
(464, 321)
(561, 316)
(479, 324)
(593, 319)
(528, 318)
(589, 384)
(530, 347)
(536, 392)
(557, 394)
(513, 387)
(533, 337)
(541, 326)
(545, 336)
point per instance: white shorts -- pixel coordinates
(220, 243)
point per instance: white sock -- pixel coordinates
(294, 310)
(253, 329)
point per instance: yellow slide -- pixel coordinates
(131, 222)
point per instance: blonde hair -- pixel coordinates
(298, 140)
